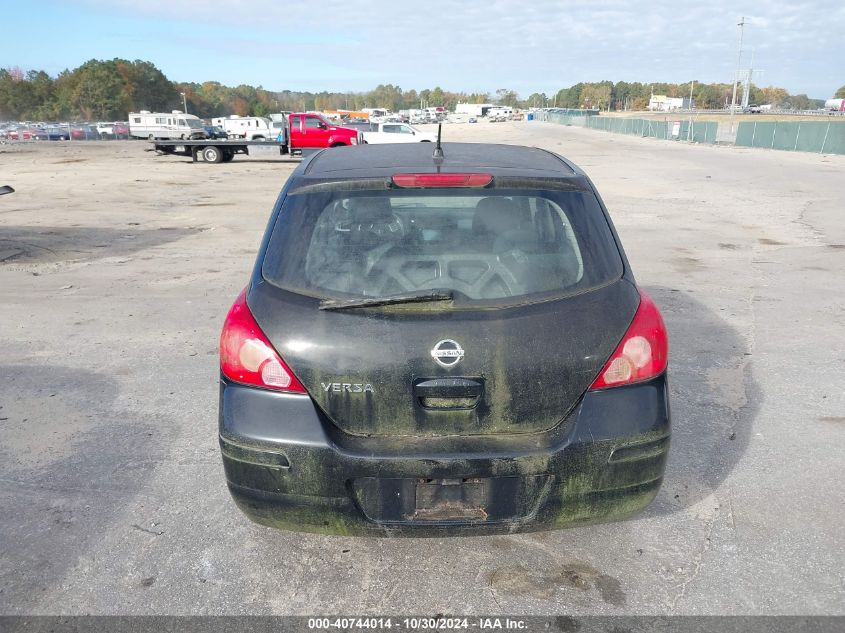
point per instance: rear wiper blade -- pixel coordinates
(332, 304)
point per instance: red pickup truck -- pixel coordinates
(302, 132)
(311, 130)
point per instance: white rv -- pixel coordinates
(250, 128)
(435, 114)
(500, 114)
(474, 109)
(165, 125)
(377, 115)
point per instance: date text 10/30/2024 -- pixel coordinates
(417, 624)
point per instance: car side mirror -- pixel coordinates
(6, 189)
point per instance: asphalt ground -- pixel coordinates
(118, 266)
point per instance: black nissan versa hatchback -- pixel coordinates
(435, 345)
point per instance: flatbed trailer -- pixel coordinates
(223, 151)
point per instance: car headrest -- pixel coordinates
(495, 215)
(374, 210)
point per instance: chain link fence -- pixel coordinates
(798, 136)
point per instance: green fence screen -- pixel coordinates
(697, 131)
(796, 136)
(825, 137)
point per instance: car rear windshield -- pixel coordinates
(487, 249)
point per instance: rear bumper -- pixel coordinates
(287, 467)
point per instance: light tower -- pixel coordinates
(741, 25)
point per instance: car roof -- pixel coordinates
(375, 161)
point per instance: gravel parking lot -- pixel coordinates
(117, 268)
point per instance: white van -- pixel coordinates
(250, 128)
(165, 125)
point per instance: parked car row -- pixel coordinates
(63, 131)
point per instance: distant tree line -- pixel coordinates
(624, 95)
(96, 90)
(109, 89)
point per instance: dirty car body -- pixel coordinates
(431, 346)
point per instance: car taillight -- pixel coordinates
(246, 356)
(442, 180)
(641, 354)
(353, 140)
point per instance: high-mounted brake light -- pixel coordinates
(641, 354)
(246, 356)
(442, 180)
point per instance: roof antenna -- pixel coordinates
(438, 150)
(437, 156)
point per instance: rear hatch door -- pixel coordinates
(538, 304)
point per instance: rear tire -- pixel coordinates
(212, 154)
(151, 137)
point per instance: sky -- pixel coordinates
(473, 46)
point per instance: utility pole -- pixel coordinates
(690, 124)
(741, 25)
(746, 90)
(184, 103)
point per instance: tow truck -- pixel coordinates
(302, 134)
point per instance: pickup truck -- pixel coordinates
(105, 130)
(249, 128)
(303, 132)
(396, 133)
